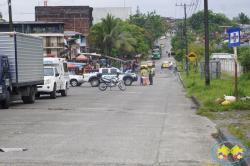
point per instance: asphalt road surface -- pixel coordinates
(142, 126)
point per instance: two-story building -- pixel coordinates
(51, 32)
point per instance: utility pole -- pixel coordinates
(185, 34)
(207, 70)
(10, 17)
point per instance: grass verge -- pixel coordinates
(233, 116)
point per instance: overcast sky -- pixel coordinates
(23, 10)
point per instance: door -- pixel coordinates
(58, 79)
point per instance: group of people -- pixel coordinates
(147, 75)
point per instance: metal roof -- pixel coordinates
(32, 22)
(222, 56)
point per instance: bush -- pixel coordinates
(244, 58)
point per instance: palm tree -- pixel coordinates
(109, 26)
(109, 34)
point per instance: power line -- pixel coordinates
(185, 34)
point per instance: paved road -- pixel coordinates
(146, 126)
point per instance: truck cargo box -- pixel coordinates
(25, 55)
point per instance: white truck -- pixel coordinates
(21, 67)
(56, 78)
(94, 81)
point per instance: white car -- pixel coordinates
(75, 80)
(93, 79)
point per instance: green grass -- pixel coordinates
(207, 96)
(239, 131)
(195, 86)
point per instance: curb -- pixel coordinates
(195, 101)
(222, 134)
(179, 75)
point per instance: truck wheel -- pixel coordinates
(128, 81)
(94, 82)
(31, 98)
(38, 95)
(65, 91)
(53, 93)
(6, 103)
(73, 83)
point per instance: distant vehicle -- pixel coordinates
(75, 73)
(56, 78)
(151, 64)
(166, 64)
(93, 79)
(75, 80)
(21, 67)
(156, 52)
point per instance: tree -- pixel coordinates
(115, 37)
(244, 58)
(242, 18)
(153, 24)
(216, 20)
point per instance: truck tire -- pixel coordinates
(94, 82)
(65, 91)
(128, 81)
(38, 95)
(6, 103)
(31, 98)
(74, 82)
(53, 93)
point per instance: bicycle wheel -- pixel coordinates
(102, 86)
(121, 86)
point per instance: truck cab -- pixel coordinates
(5, 82)
(56, 78)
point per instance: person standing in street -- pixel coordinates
(151, 75)
(144, 76)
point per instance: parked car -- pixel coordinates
(75, 80)
(93, 79)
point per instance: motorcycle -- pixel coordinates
(107, 81)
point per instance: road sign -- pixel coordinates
(192, 57)
(233, 37)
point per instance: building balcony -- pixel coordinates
(53, 45)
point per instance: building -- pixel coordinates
(119, 12)
(171, 24)
(76, 43)
(51, 32)
(227, 62)
(75, 18)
